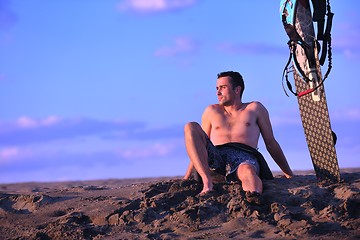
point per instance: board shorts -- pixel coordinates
(225, 160)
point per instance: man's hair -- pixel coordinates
(236, 80)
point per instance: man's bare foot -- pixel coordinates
(207, 194)
(206, 188)
(203, 192)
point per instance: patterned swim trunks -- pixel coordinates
(226, 160)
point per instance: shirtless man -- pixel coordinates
(231, 121)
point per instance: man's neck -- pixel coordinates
(236, 106)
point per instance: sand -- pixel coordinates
(169, 208)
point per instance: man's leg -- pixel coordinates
(249, 179)
(189, 171)
(195, 142)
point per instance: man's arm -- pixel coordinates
(271, 144)
(205, 120)
(277, 154)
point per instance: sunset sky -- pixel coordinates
(102, 89)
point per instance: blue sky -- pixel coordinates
(102, 89)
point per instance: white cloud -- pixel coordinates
(180, 46)
(27, 122)
(251, 48)
(8, 153)
(346, 114)
(144, 6)
(354, 114)
(13, 154)
(346, 35)
(51, 120)
(163, 149)
(27, 130)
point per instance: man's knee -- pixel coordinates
(192, 127)
(246, 170)
(194, 130)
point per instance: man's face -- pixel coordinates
(224, 91)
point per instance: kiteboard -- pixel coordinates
(305, 63)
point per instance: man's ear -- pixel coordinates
(238, 90)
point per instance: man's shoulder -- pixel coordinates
(255, 104)
(212, 107)
(211, 110)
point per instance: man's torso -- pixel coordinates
(240, 126)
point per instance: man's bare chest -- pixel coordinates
(236, 122)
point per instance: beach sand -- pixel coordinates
(169, 208)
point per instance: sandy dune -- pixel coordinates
(165, 208)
